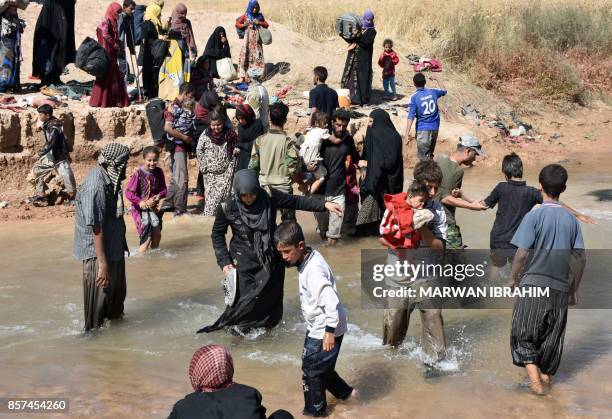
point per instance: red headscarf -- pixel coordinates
(211, 369)
(245, 111)
(112, 14)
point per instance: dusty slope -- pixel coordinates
(584, 131)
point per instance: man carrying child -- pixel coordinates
(549, 237)
(335, 151)
(325, 320)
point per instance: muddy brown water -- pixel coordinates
(138, 367)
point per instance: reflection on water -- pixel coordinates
(138, 367)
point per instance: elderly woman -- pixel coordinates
(383, 161)
(251, 213)
(357, 75)
(216, 395)
(251, 55)
(217, 159)
(109, 90)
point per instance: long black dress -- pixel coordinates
(51, 49)
(246, 137)
(357, 75)
(260, 291)
(215, 50)
(150, 73)
(382, 149)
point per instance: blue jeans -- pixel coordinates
(389, 84)
(319, 374)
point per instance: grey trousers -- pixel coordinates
(44, 166)
(395, 327)
(178, 190)
(330, 224)
(426, 144)
(103, 303)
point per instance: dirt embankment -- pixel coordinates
(580, 134)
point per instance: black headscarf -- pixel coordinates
(259, 216)
(383, 151)
(215, 48)
(209, 99)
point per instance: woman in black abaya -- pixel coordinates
(216, 48)
(382, 158)
(53, 40)
(357, 75)
(251, 214)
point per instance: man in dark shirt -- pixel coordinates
(334, 152)
(125, 25)
(322, 97)
(54, 157)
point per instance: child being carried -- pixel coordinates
(310, 153)
(404, 216)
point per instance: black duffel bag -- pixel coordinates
(159, 51)
(91, 58)
(155, 117)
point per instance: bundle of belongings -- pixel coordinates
(20, 4)
(428, 64)
(91, 58)
(400, 223)
(348, 26)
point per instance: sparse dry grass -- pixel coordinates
(543, 45)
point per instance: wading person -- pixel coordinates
(55, 156)
(99, 238)
(178, 145)
(325, 319)
(251, 214)
(335, 151)
(549, 236)
(275, 156)
(217, 157)
(397, 319)
(384, 165)
(146, 189)
(423, 107)
(450, 194)
(216, 395)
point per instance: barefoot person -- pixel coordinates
(325, 320)
(552, 235)
(251, 213)
(99, 236)
(145, 190)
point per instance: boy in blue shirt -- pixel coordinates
(547, 240)
(424, 107)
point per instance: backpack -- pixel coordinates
(155, 117)
(347, 24)
(138, 19)
(91, 58)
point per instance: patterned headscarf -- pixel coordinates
(211, 369)
(114, 158)
(245, 111)
(368, 19)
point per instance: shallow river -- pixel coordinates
(138, 367)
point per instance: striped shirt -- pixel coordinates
(96, 205)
